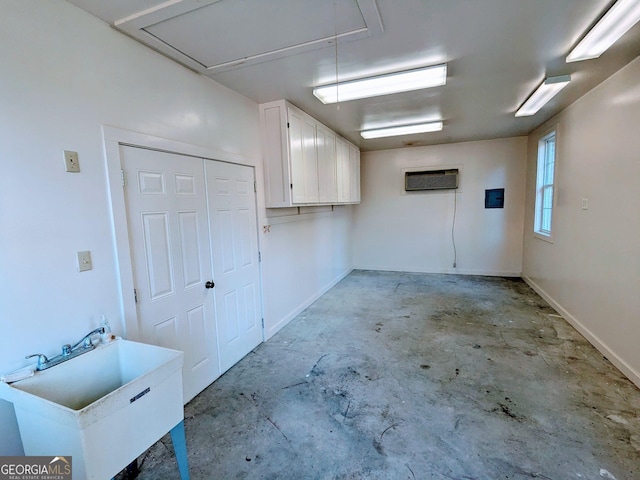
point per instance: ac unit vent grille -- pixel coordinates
(431, 180)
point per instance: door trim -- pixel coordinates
(113, 138)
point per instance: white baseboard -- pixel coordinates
(448, 271)
(272, 330)
(591, 337)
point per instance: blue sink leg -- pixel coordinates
(180, 448)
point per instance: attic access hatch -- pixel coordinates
(431, 180)
(213, 36)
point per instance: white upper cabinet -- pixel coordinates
(343, 171)
(326, 145)
(354, 170)
(303, 157)
(305, 163)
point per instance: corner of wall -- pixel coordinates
(10, 441)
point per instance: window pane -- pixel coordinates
(546, 220)
(551, 148)
(548, 173)
(549, 160)
(547, 197)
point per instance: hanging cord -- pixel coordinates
(453, 226)
(335, 35)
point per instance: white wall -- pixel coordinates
(64, 75)
(592, 270)
(412, 232)
(306, 258)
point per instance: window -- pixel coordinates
(544, 185)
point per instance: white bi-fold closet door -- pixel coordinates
(194, 244)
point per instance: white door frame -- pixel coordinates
(114, 137)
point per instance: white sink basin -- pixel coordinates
(103, 408)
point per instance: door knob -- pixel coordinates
(209, 284)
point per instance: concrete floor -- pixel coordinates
(411, 376)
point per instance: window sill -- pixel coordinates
(546, 238)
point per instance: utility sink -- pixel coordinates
(103, 408)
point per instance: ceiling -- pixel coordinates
(497, 53)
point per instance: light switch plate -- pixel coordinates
(585, 203)
(71, 161)
(84, 261)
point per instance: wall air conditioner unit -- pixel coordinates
(431, 180)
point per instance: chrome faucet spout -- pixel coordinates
(86, 340)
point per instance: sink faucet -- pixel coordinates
(68, 352)
(86, 340)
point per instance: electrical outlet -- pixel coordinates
(71, 161)
(84, 261)
(585, 203)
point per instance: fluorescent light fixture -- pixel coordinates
(616, 22)
(545, 92)
(405, 81)
(402, 130)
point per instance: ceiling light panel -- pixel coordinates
(545, 92)
(406, 81)
(623, 15)
(402, 130)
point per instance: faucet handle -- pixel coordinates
(42, 359)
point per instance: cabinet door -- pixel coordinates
(273, 123)
(343, 171)
(303, 155)
(354, 170)
(327, 188)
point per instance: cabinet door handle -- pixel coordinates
(209, 284)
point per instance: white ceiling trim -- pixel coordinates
(160, 13)
(136, 26)
(287, 51)
(371, 15)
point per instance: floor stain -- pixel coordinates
(399, 375)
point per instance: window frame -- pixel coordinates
(543, 185)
